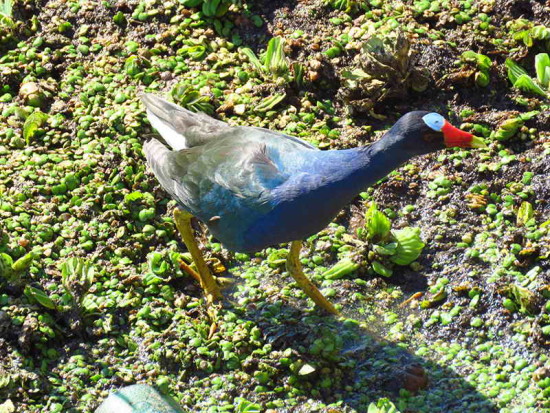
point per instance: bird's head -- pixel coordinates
(424, 132)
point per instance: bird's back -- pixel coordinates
(223, 175)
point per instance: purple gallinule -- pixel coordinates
(254, 187)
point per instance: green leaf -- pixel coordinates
(540, 32)
(529, 115)
(409, 245)
(482, 62)
(39, 296)
(88, 304)
(245, 406)
(191, 3)
(339, 270)
(6, 267)
(270, 102)
(6, 21)
(253, 59)
(542, 66)
(157, 264)
(514, 70)
(527, 84)
(133, 66)
(383, 405)
(196, 52)
(24, 262)
(6, 14)
(191, 99)
(6, 262)
(275, 59)
(6, 8)
(507, 129)
(377, 224)
(388, 249)
(209, 7)
(133, 196)
(356, 74)
(524, 297)
(34, 122)
(381, 269)
(77, 275)
(299, 72)
(277, 257)
(525, 213)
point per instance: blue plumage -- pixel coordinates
(253, 187)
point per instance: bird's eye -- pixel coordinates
(434, 120)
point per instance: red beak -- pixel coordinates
(456, 137)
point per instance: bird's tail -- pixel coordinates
(155, 152)
(179, 127)
(158, 159)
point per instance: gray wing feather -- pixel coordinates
(199, 128)
(203, 177)
(171, 119)
(221, 167)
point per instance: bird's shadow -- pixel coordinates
(350, 364)
(347, 360)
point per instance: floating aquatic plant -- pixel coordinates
(482, 65)
(274, 62)
(511, 126)
(349, 6)
(191, 99)
(38, 295)
(210, 8)
(74, 189)
(387, 69)
(33, 94)
(521, 80)
(525, 213)
(270, 102)
(377, 224)
(77, 276)
(409, 245)
(342, 268)
(401, 246)
(33, 126)
(6, 17)
(521, 298)
(524, 31)
(387, 247)
(244, 406)
(13, 271)
(383, 405)
(6, 267)
(274, 65)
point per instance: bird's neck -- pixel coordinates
(369, 164)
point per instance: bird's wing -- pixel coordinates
(179, 127)
(229, 174)
(283, 135)
(183, 129)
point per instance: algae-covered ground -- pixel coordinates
(92, 296)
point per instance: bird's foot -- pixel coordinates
(294, 267)
(203, 274)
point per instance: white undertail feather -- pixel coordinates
(176, 140)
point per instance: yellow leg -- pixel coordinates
(208, 284)
(294, 267)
